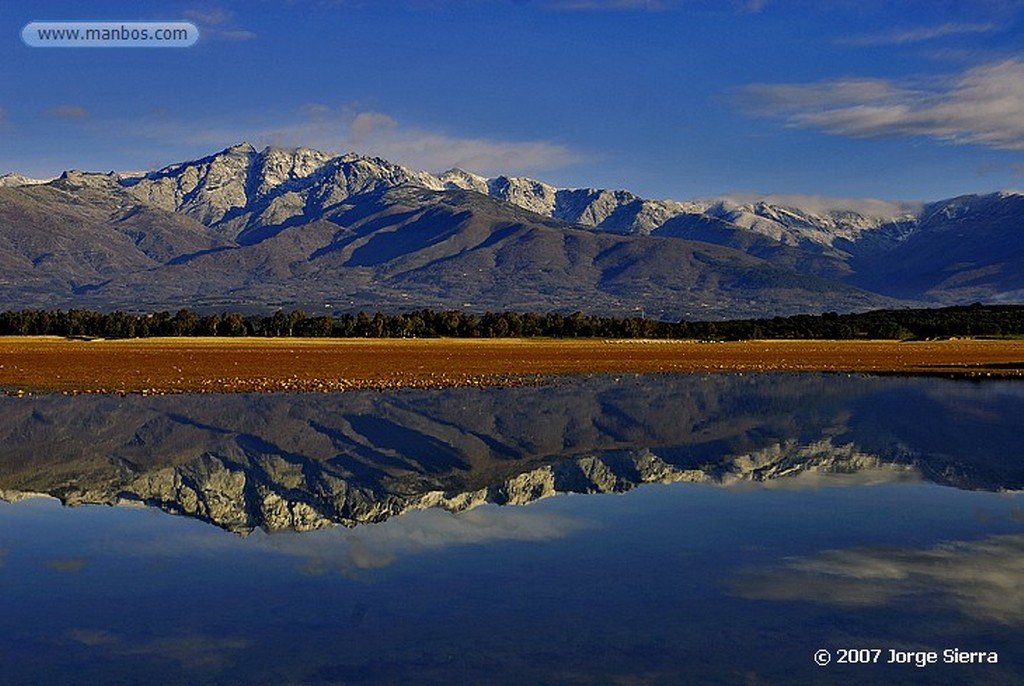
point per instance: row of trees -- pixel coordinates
(972, 320)
(919, 324)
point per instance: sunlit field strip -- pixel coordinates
(198, 365)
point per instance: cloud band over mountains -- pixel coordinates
(981, 106)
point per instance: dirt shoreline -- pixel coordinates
(222, 365)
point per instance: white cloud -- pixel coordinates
(917, 35)
(982, 106)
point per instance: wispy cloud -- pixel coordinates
(69, 112)
(235, 34)
(352, 552)
(917, 35)
(75, 564)
(439, 151)
(981, 106)
(600, 5)
(216, 23)
(365, 548)
(752, 6)
(982, 579)
(191, 651)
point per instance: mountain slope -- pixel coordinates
(252, 229)
(410, 248)
(953, 251)
(965, 249)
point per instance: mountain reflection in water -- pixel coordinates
(823, 512)
(308, 461)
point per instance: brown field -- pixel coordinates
(191, 365)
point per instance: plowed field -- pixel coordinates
(190, 365)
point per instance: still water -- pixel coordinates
(657, 529)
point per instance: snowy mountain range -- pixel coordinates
(277, 227)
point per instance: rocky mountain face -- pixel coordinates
(310, 461)
(250, 229)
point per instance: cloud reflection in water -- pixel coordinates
(373, 547)
(983, 579)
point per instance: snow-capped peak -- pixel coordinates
(462, 179)
(13, 180)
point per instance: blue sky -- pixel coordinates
(913, 100)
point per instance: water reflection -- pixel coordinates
(304, 462)
(783, 515)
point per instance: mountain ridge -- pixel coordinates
(277, 166)
(279, 217)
